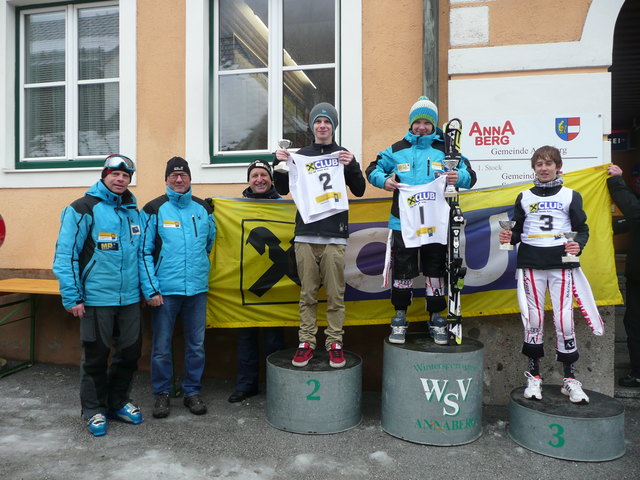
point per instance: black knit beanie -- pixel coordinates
(257, 163)
(177, 164)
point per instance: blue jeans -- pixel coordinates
(192, 311)
(248, 355)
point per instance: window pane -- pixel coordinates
(303, 90)
(44, 47)
(243, 37)
(309, 32)
(98, 43)
(243, 119)
(99, 119)
(44, 122)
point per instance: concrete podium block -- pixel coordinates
(313, 399)
(432, 394)
(558, 428)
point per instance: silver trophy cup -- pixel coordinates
(450, 164)
(284, 143)
(506, 225)
(282, 166)
(568, 257)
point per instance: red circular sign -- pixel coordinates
(3, 230)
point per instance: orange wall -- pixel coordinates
(542, 21)
(391, 73)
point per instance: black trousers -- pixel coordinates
(248, 354)
(408, 263)
(105, 386)
(632, 324)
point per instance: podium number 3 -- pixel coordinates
(558, 435)
(316, 387)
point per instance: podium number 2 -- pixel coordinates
(558, 435)
(316, 387)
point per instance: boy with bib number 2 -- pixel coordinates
(317, 177)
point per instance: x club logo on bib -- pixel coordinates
(418, 198)
(317, 165)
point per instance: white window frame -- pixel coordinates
(348, 91)
(275, 72)
(12, 177)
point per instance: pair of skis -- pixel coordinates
(455, 270)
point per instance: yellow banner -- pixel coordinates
(253, 280)
(490, 283)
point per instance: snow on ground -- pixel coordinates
(42, 437)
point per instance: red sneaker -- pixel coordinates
(303, 354)
(336, 356)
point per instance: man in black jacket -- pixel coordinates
(320, 245)
(629, 203)
(259, 177)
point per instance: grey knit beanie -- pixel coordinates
(324, 110)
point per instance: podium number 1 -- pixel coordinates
(316, 387)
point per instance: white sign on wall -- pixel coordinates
(500, 148)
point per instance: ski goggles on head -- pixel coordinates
(120, 162)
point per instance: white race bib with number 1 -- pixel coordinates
(424, 213)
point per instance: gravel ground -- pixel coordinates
(42, 437)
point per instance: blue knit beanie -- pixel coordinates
(424, 108)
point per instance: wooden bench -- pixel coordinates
(32, 287)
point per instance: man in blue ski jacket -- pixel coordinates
(178, 231)
(417, 160)
(96, 263)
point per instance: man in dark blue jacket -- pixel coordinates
(178, 230)
(96, 262)
(259, 177)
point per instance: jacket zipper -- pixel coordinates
(85, 275)
(130, 234)
(120, 290)
(195, 228)
(158, 264)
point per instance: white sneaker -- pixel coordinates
(534, 387)
(573, 389)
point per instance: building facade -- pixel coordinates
(221, 81)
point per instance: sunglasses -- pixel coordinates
(120, 161)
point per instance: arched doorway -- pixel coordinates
(625, 148)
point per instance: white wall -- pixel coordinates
(539, 94)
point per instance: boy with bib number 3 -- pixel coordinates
(544, 215)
